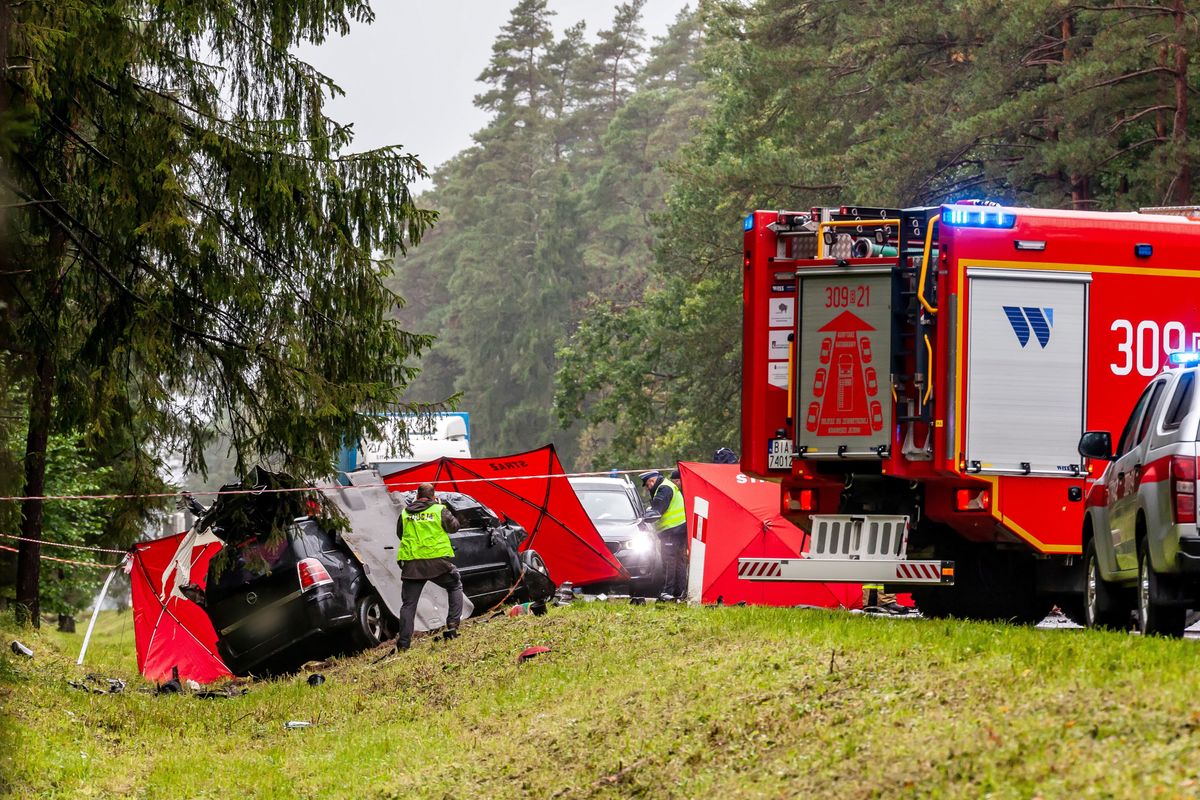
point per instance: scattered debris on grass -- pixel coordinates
(21, 649)
(530, 652)
(98, 685)
(231, 690)
(537, 608)
(172, 686)
(316, 679)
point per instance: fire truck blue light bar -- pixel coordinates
(976, 217)
(1185, 358)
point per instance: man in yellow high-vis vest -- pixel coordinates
(425, 554)
(666, 500)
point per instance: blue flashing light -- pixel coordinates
(748, 222)
(977, 217)
(1143, 250)
(1184, 358)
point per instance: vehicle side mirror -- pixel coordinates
(1096, 444)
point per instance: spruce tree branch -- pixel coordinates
(66, 225)
(65, 128)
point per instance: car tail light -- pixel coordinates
(972, 500)
(1183, 488)
(312, 573)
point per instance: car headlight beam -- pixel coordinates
(641, 542)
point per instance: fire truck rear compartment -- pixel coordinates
(1026, 357)
(844, 408)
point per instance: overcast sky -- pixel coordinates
(410, 77)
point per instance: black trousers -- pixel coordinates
(675, 560)
(410, 593)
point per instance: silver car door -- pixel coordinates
(1131, 457)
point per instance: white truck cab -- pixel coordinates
(429, 437)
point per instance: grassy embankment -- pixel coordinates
(634, 701)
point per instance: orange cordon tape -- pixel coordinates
(264, 490)
(91, 564)
(61, 544)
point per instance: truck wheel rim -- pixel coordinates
(1144, 596)
(1090, 599)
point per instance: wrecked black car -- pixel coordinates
(307, 574)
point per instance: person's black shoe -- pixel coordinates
(666, 598)
(449, 633)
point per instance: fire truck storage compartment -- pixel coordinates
(1026, 371)
(843, 384)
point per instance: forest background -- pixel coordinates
(582, 282)
(589, 244)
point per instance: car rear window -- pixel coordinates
(1181, 401)
(239, 564)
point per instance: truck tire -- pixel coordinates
(372, 621)
(1104, 605)
(1155, 618)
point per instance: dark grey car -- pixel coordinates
(617, 510)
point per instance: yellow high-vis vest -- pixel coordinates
(423, 535)
(674, 515)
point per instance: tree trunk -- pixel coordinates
(1081, 193)
(5, 33)
(29, 549)
(1181, 193)
(41, 410)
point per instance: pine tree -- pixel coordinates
(187, 236)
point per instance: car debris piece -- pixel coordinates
(173, 686)
(221, 694)
(316, 679)
(565, 594)
(21, 649)
(292, 725)
(83, 687)
(115, 685)
(530, 652)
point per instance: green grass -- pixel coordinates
(635, 702)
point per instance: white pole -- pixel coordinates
(96, 610)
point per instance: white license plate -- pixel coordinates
(780, 455)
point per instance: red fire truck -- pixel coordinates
(917, 381)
